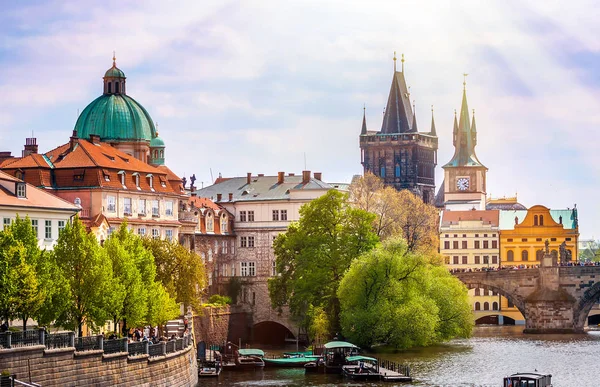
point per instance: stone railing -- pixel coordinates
(91, 343)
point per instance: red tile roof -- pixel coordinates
(487, 217)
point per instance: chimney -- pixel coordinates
(219, 196)
(30, 146)
(305, 177)
(318, 176)
(230, 197)
(291, 174)
(94, 139)
(248, 177)
(73, 140)
(280, 177)
(261, 174)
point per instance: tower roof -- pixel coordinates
(114, 71)
(364, 124)
(464, 139)
(432, 132)
(398, 112)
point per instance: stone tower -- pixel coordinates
(464, 176)
(401, 155)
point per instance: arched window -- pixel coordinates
(541, 220)
(223, 223)
(535, 220)
(116, 87)
(210, 224)
(162, 154)
(495, 306)
(477, 306)
(477, 292)
(486, 306)
(109, 87)
(524, 255)
(382, 171)
(397, 172)
(510, 256)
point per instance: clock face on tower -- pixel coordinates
(462, 183)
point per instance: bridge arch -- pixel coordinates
(585, 304)
(476, 281)
(271, 332)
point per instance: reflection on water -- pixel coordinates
(483, 360)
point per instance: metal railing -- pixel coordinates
(170, 346)
(137, 348)
(115, 346)
(157, 349)
(59, 340)
(88, 343)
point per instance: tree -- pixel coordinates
(315, 252)
(10, 253)
(179, 270)
(398, 213)
(399, 297)
(161, 306)
(88, 276)
(591, 252)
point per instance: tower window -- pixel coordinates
(116, 87)
(541, 220)
(382, 171)
(397, 172)
(109, 87)
(535, 220)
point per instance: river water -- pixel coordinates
(483, 360)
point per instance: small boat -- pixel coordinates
(209, 368)
(297, 354)
(298, 361)
(249, 358)
(528, 379)
(334, 357)
(361, 368)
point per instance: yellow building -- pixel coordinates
(523, 234)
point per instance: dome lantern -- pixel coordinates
(157, 150)
(114, 79)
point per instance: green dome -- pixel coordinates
(157, 142)
(116, 117)
(114, 72)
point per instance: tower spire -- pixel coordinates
(473, 130)
(414, 123)
(364, 124)
(394, 62)
(114, 59)
(455, 130)
(402, 60)
(432, 131)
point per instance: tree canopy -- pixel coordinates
(398, 213)
(313, 255)
(395, 296)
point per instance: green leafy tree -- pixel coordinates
(10, 253)
(179, 270)
(315, 252)
(161, 306)
(88, 275)
(402, 298)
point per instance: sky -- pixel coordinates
(268, 86)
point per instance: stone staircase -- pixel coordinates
(175, 327)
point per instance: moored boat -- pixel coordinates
(361, 368)
(298, 361)
(209, 368)
(249, 358)
(528, 379)
(334, 357)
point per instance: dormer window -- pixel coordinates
(21, 191)
(223, 224)
(210, 225)
(150, 181)
(136, 176)
(122, 176)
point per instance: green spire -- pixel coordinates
(364, 125)
(455, 130)
(473, 130)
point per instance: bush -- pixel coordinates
(218, 299)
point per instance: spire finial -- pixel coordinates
(394, 61)
(402, 60)
(454, 113)
(114, 59)
(431, 109)
(364, 108)
(473, 112)
(465, 80)
(414, 104)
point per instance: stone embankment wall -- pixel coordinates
(218, 325)
(65, 367)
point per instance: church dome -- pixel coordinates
(114, 72)
(157, 142)
(116, 117)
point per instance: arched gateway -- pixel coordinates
(551, 299)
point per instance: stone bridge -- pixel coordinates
(552, 299)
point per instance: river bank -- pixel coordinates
(483, 360)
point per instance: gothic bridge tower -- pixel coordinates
(401, 155)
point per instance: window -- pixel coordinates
(111, 204)
(224, 247)
(382, 171)
(477, 306)
(150, 181)
(250, 241)
(494, 306)
(494, 259)
(478, 292)
(477, 259)
(509, 240)
(224, 268)
(493, 235)
(155, 208)
(242, 216)
(116, 87)
(553, 239)
(486, 259)
(486, 245)
(464, 260)
(486, 306)
(510, 256)
(510, 303)
(455, 235)
(137, 180)
(141, 207)
(524, 255)
(541, 220)
(61, 226)
(250, 216)
(109, 87)
(494, 244)
(243, 241)
(275, 214)
(169, 235)
(233, 269)
(464, 235)
(455, 260)
(523, 239)
(34, 224)
(397, 171)
(48, 229)
(567, 239)
(447, 245)
(106, 177)
(223, 224)
(169, 208)
(283, 214)
(446, 236)
(232, 246)
(20, 190)
(141, 231)
(540, 239)
(210, 222)
(122, 178)
(485, 235)
(155, 233)
(455, 244)
(476, 244)
(535, 220)
(253, 298)
(476, 235)
(244, 272)
(464, 244)
(6, 223)
(251, 269)
(127, 206)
